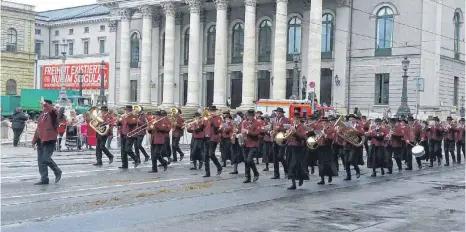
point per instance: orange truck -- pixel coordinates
(267, 106)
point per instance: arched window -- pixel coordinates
(11, 87)
(384, 32)
(211, 45)
(186, 47)
(237, 43)
(457, 21)
(265, 41)
(134, 50)
(327, 35)
(294, 37)
(12, 39)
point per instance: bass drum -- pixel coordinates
(418, 151)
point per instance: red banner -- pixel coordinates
(51, 76)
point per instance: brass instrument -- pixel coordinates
(147, 125)
(173, 113)
(312, 141)
(348, 133)
(205, 114)
(280, 137)
(191, 122)
(97, 123)
(235, 131)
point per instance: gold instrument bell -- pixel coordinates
(96, 119)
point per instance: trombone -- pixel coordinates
(144, 126)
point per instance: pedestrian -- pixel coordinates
(45, 138)
(250, 128)
(295, 143)
(18, 123)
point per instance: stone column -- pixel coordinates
(125, 52)
(249, 57)
(341, 53)
(315, 45)
(221, 51)
(111, 42)
(169, 59)
(194, 50)
(155, 59)
(146, 63)
(279, 54)
(201, 79)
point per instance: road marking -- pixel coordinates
(95, 188)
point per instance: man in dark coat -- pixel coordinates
(17, 124)
(45, 137)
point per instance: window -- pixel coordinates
(384, 32)
(211, 45)
(135, 50)
(102, 46)
(382, 84)
(38, 48)
(11, 87)
(56, 48)
(186, 48)
(57, 32)
(327, 35)
(102, 27)
(12, 39)
(134, 90)
(456, 83)
(70, 49)
(38, 32)
(70, 31)
(86, 47)
(237, 43)
(265, 41)
(294, 37)
(457, 35)
(86, 30)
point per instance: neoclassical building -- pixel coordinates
(191, 53)
(17, 47)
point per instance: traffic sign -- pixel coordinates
(312, 84)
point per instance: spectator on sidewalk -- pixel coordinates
(18, 123)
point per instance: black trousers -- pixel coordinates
(449, 149)
(45, 161)
(176, 148)
(279, 155)
(167, 150)
(225, 149)
(409, 157)
(398, 154)
(16, 134)
(127, 150)
(209, 154)
(101, 141)
(435, 149)
(156, 155)
(350, 158)
(139, 148)
(197, 150)
(459, 148)
(249, 154)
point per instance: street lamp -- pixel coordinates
(295, 89)
(303, 89)
(36, 74)
(102, 99)
(81, 77)
(404, 108)
(63, 97)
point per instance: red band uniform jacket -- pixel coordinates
(459, 135)
(436, 132)
(226, 130)
(377, 136)
(398, 136)
(409, 134)
(47, 125)
(110, 120)
(449, 132)
(128, 124)
(197, 130)
(178, 128)
(298, 138)
(266, 134)
(142, 119)
(327, 139)
(159, 131)
(359, 131)
(214, 125)
(279, 126)
(251, 138)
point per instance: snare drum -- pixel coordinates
(418, 151)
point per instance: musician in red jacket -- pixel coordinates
(159, 130)
(177, 133)
(212, 125)
(250, 130)
(226, 129)
(102, 139)
(449, 141)
(128, 124)
(410, 140)
(397, 139)
(279, 150)
(460, 130)
(196, 128)
(326, 165)
(45, 137)
(436, 137)
(377, 157)
(353, 155)
(61, 126)
(138, 148)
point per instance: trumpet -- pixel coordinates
(191, 122)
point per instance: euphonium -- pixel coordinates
(97, 123)
(349, 134)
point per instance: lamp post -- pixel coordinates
(63, 97)
(303, 88)
(36, 74)
(404, 108)
(295, 89)
(81, 77)
(102, 99)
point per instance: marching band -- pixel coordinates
(297, 143)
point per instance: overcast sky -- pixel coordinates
(43, 5)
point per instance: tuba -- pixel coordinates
(96, 122)
(348, 133)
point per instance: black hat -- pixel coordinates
(435, 118)
(261, 118)
(157, 113)
(239, 113)
(226, 112)
(385, 121)
(163, 113)
(104, 108)
(48, 102)
(462, 120)
(324, 119)
(251, 112)
(449, 118)
(227, 116)
(196, 115)
(128, 107)
(378, 120)
(364, 117)
(350, 116)
(179, 110)
(280, 110)
(259, 112)
(212, 108)
(313, 117)
(410, 118)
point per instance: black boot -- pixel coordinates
(224, 163)
(382, 171)
(293, 184)
(312, 170)
(247, 179)
(330, 179)
(200, 165)
(322, 181)
(373, 174)
(266, 169)
(235, 169)
(301, 181)
(390, 171)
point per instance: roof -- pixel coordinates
(73, 12)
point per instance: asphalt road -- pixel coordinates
(111, 200)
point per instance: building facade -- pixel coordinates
(17, 47)
(83, 30)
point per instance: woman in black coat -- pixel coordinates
(18, 123)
